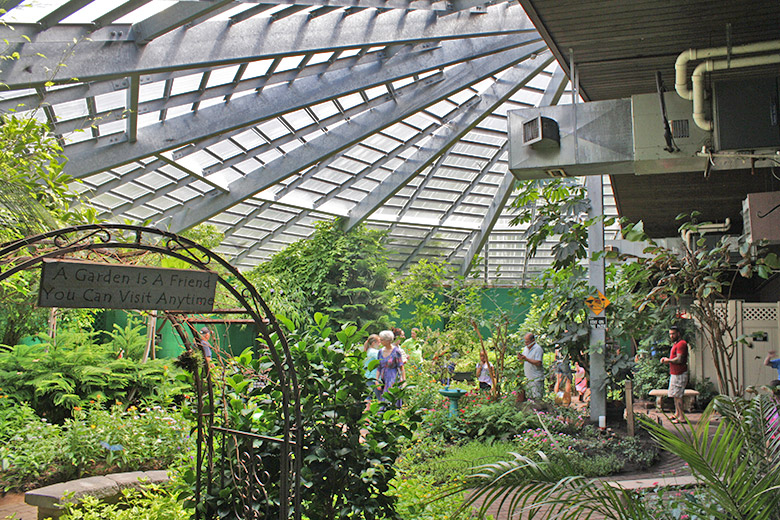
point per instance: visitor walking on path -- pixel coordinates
(678, 372)
(484, 376)
(203, 343)
(534, 373)
(371, 348)
(391, 365)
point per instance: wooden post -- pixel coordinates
(629, 388)
(151, 330)
(53, 324)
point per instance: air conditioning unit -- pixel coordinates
(761, 216)
(541, 133)
(746, 114)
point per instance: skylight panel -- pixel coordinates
(398, 84)
(375, 92)
(178, 111)
(298, 119)
(442, 108)
(289, 63)
(131, 191)
(269, 156)
(150, 118)
(76, 137)
(31, 11)
(365, 154)
(462, 96)
(350, 101)
(349, 52)
(111, 101)
(258, 68)
(222, 76)
(225, 149)
(320, 57)
(145, 11)
(249, 139)
(401, 131)
(247, 166)
(112, 127)
(483, 85)
(11, 94)
(188, 83)
(71, 110)
(324, 110)
(273, 129)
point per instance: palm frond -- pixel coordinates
(738, 487)
(543, 489)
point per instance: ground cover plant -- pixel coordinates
(151, 502)
(504, 425)
(96, 441)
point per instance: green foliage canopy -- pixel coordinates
(344, 275)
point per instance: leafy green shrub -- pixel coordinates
(349, 448)
(587, 453)
(30, 448)
(707, 392)
(343, 274)
(151, 502)
(56, 376)
(418, 498)
(136, 439)
(94, 442)
(649, 374)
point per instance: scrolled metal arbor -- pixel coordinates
(101, 242)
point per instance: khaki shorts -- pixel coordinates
(677, 384)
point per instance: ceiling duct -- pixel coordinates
(609, 137)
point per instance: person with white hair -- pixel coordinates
(391, 365)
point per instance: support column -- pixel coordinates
(598, 335)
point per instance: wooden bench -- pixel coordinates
(50, 500)
(688, 398)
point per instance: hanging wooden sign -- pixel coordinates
(66, 283)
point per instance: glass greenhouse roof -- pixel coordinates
(264, 118)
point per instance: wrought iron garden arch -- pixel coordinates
(99, 240)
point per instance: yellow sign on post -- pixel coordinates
(597, 303)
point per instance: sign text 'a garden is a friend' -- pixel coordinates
(113, 286)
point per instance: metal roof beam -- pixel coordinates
(118, 12)
(60, 13)
(94, 156)
(132, 109)
(423, 94)
(178, 14)
(496, 206)
(468, 117)
(216, 44)
(555, 88)
(95, 88)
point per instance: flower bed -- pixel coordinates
(35, 453)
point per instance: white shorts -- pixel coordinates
(677, 384)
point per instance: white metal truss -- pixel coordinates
(263, 118)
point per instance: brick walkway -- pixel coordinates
(13, 506)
